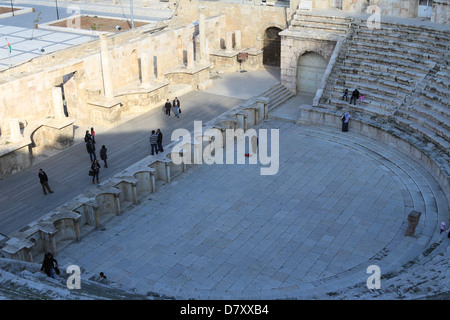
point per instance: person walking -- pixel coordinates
(90, 147)
(103, 155)
(168, 106)
(176, 111)
(95, 167)
(345, 119)
(50, 265)
(154, 142)
(176, 103)
(354, 97)
(44, 181)
(87, 136)
(159, 141)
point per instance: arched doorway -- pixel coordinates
(272, 47)
(310, 70)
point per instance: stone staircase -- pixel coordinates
(307, 23)
(277, 95)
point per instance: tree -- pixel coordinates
(36, 21)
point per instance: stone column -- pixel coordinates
(202, 34)
(106, 67)
(146, 69)
(14, 126)
(190, 54)
(229, 41)
(160, 64)
(58, 104)
(237, 39)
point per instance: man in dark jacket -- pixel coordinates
(44, 181)
(90, 147)
(168, 106)
(354, 97)
(159, 141)
(49, 265)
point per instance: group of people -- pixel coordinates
(156, 141)
(89, 138)
(175, 106)
(355, 96)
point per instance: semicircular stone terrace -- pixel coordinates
(339, 203)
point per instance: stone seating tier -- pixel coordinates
(392, 88)
(386, 65)
(277, 96)
(425, 134)
(393, 70)
(388, 76)
(389, 55)
(419, 52)
(438, 125)
(373, 94)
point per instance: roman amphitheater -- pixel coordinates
(347, 215)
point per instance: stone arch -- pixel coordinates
(272, 46)
(310, 67)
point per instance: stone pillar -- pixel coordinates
(106, 67)
(190, 55)
(202, 34)
(14, 126)
(97, 218)
(153, 181)
(76, 225)
(228, 40)
(133, 187)
(160, 64)
(58, 104)
(117, 203)
(167, 167)
(237, 39)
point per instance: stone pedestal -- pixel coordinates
(413, 221)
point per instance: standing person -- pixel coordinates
(154, 142)
(345, 119)
(168, 106)
(361, 99)
(103, 155)
(442, 227)
(44, 181)
(87, 136)
(95, 167)
(49, 265)
(93, 134)
(90, 147)
(176, 111)
(176, 103)
(354, 97)
(345, 96)
(159, 141)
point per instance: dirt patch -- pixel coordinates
(100, 24)
(6, 10)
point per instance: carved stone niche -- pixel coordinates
(413, 221)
